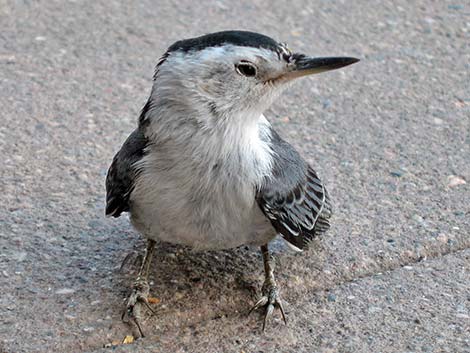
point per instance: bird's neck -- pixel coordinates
(236, 146)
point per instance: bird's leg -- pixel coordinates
(271, 297)
(140, 290)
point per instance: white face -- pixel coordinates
(223, 80)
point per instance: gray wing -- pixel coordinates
(122, 173)
(294, 198)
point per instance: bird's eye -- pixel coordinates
(246, 68)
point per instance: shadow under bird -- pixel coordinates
(204, 168)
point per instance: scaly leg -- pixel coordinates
(140, 290)
(271, 297)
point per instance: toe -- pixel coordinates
(269, 313)
(137, 323)
(260, 303)
(281, 309)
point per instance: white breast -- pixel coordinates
(199, 189)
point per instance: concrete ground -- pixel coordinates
(389, 136)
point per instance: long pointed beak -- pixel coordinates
(304, 65)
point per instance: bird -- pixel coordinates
(204, 167)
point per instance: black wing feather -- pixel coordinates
(122, 173)
(294, 198)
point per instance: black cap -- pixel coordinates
(239, 38)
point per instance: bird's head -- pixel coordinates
(232, 73)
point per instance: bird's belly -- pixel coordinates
(217, 219)
(205, 234)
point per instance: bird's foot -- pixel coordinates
(137, 299)
(270, 300)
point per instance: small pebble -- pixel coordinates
(455, 180)
(331, 297)
(65, 291)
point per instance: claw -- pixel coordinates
(137, 323)
(140, 289)
(261, 302)
(136, 299)
(283, 314)
(270, 300)
(269, 313)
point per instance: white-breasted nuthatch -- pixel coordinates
(204, 168)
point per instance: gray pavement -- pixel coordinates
(390, 136)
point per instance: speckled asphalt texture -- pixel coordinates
(389, 136)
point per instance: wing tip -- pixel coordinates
(109, 214)
(292, 246)
(112, 210)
